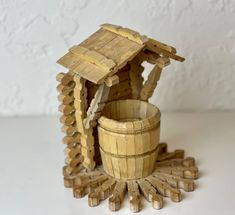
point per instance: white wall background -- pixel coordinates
(35, 33)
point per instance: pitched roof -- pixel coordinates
(107, 50)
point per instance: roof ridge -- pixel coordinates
(126, 32)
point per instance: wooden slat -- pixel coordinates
(100, 193)
(96, 105)
(87, 139)
(165, 189)
(90, 71)
(117, 196)
(153, 77)
(176, 181)
(68, 60)
(121, 50)
(93, 57)
(98, 39)
(134, 196)
(151, 194)
(154, 46)
(125, 32)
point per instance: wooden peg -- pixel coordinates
(165, 189)
(150, 194)
(65, 90)
(65, 99)
(69, 130)
(110, 81)
(134, 196)
(66, 109)
(101, 193)
(117, 196)
(64, 79)
(67, 120)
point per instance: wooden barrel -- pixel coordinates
(128, 136)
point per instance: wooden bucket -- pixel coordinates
(128, 136)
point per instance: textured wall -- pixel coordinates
(35, 33)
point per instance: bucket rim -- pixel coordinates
(131, 127)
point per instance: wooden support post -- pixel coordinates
(136, 79)
(151, 83)
(87, 139)
(72, 139)
(96, 106)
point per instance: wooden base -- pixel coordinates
(172, 173)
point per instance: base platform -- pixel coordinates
(173, 172)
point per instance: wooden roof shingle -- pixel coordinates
(108, 50)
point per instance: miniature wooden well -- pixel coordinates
(104, 105)
(129, 133)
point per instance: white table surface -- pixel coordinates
(31, 159)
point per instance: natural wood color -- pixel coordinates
(150, 194)
(118, 129)
(73, 162)
(101, 193)
(93, 57)
(134, 196)
(69, 130)
(72, 138)
(103, 117)
(67, 120)
(87, 139)
(65, 89)
(165, 189)
(98, 185)
(65, 99)
(110, 81)
(149, 56)
(136, 79)
(64, 79)
(75, 138)
(125, 32)
(66, 109)
(117, 48)
(96, 106)
(88, 178)
(72, 152)
(185, 172)
(154, 46)
(117, 196)
(73, 170)
(177, 181)
(90, 183)
(171, 155)
(153, 77)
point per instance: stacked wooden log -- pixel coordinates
(121, 90)
(73, 160)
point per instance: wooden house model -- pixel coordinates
(106, 67)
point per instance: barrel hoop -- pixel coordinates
(136, 131)
(130, 156)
